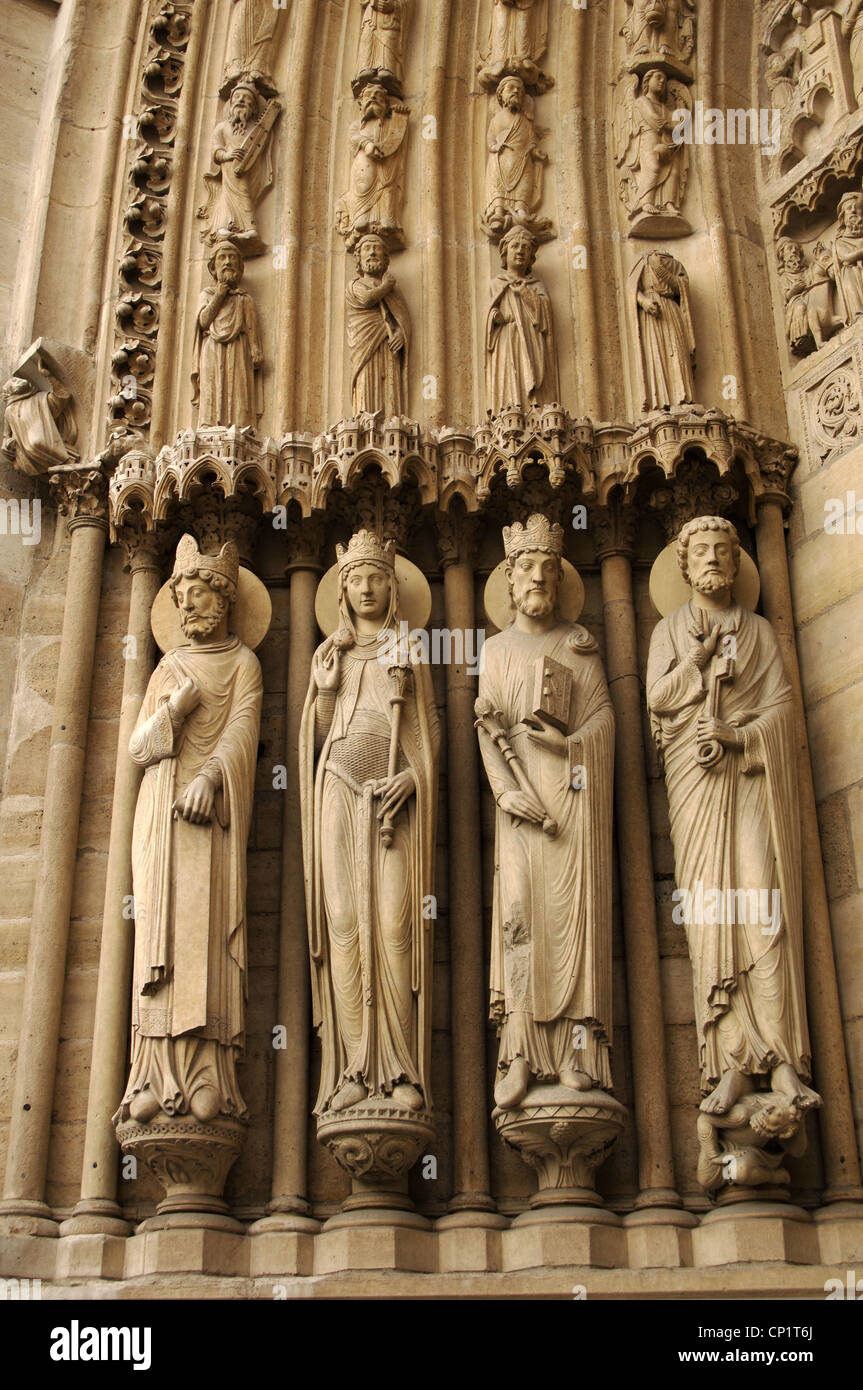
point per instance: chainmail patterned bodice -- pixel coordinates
(364, 751)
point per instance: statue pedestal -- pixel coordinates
(377, 1143)
(564, 1135)
(191, 1160)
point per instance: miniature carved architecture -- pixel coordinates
(342, 338)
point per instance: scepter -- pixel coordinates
(401, 677)
(491, 720)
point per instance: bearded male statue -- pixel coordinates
(723, 719)
(546, 731)
(197, 739)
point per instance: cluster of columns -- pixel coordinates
(23, 1210)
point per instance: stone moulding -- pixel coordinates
(148, 177)
(442, 463)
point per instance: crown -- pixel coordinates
(538, 534)
(364, 547)
(190, 561)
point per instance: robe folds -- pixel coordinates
(370, 934)
(551, 922)
(521, 366)
(735, 828)
(190, 880)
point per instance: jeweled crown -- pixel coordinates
(366, 548)
(538, 534)
(190, 560)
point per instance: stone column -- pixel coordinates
(471, 1203)
(98, 1211)
(615, 529)
(289, 1206)
(81, 497)
(830, 1067)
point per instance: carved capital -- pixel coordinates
(695, 490)
(81, 496)
(456, 540)
(305, 539)
(614, 529)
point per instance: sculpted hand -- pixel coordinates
(397, 341)
(547, 737)
(325, 668)
(196, 802)
(709, 729)
(394, 792)
(701, 648)
(522, 806)
(185, 699)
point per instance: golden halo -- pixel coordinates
(250, 616)
(499, 606)
(415, 600)
(669, 590)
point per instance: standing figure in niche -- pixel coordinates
(521, 362)
(848, 256)
(373, 201)
(241, 170)
(517, 40)
(543, 710)
(655, 165)
(722, 715)
(666, 337)
(378, 328)
(228, 353)
(852, 30)
(380, 54)
(368, 757)
(513, 180)
(197, 738)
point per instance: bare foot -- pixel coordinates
(405, 1094)
(785, 1080)
(143, 1107)
(204, 1104)
(512, 1089)
(350, 1093)
(729, 1090)
(575, 1080)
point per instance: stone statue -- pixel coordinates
(197, 738)
(378, 327)
(722, 715)
(848, 256)
(39, 425)
(228, 353)
(368, 758)
(543, 714)
(665, 335)
(660, 31)
(521, 362)
(513, 180)
(380, 53)
(808, 292)
(253, 29)
(655, 164)
(517, 39)
(373, 202)
(748, 1144)
(241, 169)
(852, 30)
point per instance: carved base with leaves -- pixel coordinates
(564, 1135)
(190, 1159)
(377, 1143)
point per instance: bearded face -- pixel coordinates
(533, 583)
(373, 257)
(201, 608)
(244, 110)
(710, 561)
